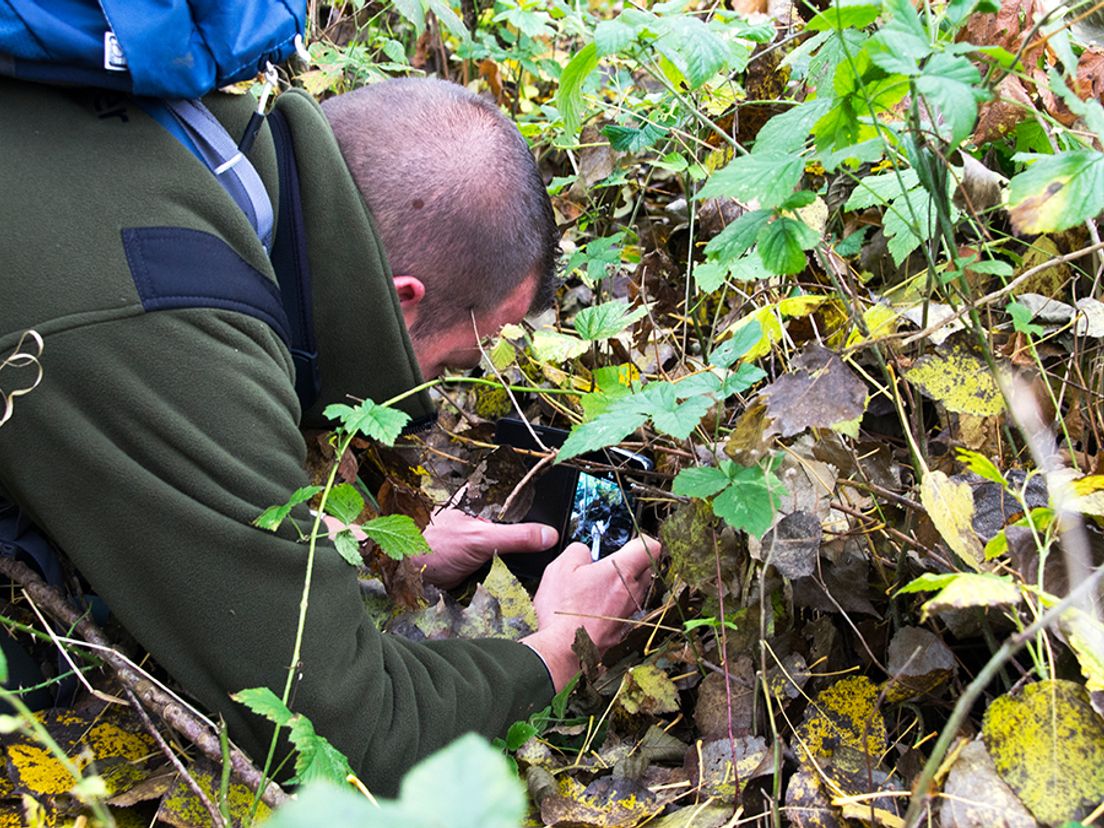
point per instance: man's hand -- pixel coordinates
(575, 592)
(462, 543)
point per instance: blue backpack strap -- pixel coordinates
(289, 260)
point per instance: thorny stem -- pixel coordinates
(976, 687)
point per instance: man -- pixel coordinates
(167, 418)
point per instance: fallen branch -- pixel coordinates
(172, 711)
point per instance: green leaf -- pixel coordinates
(845, 15)
(348, 547)
(569, 97)
(449, 19)
(633, 139)
(1021, 319)
(414, 12)
(704, 481)
(553, 346)
(788, 131)
(900, 229)
(377, 422)
(1057, 191)
(3, 668)
(769, 177)
(742, 341)
(518, 734)
(981, 465)
(782, 242)
(397, 535)
(963, 589)
(750, 501)
(708, 276)
(273, 516)
(607, 429)
(669, 416)
(611, 36)
(738, 236)
(607, 320)
(897, 50)
(692, 46)
(317, 759)
(740, 380)
(949, 84)
(345, 503)
(264, 702)
(881, 189)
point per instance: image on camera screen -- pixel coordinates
(600, 508)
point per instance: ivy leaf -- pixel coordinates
(769, 177)
(611, 36)
(317, 758)
(273, 516)
(264, 702)
(1057, 191)
(607, 320)
(377, 422)
(741, 341)
(704, 481)
(397, 535)
(668, 415)
(569, 97)
(345, 503)
(738, 236)
(633, 139)
(782, 242)
(348, 547)
(609, 428)
(750, 500)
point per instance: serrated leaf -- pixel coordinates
(377, 422)
(703, 481)
(1057, 192)
(708, 276)
(692, 46)
(264, 702)
(633, 139)
(737, 345)
(611, 36)
(845, 15)
(348, 547)
(660, 401)
(607, 429)
(518, 734)
(397, 535)
(782, 244)
(569, 97)
(344, 503)
(737, 237)
(317, 759)
(751, 499)
(788, 131)
(981, 465)
(601, 322)
(949, 85)
(449, 19)
(769, 177)
(273, 516)
(881, 189)
(909, 222)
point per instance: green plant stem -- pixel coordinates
(976, 687)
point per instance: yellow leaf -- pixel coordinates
(960, 380)
(950, 505)
(1047, 742)
(880, 320)
(796, 306)
(1086, 638)
(843, 715)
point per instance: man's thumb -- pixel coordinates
(524, 537)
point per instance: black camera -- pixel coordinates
(597, 507)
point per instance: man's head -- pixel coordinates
(461, 210)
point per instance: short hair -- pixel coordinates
(455, 193)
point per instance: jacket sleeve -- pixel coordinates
(150, 445)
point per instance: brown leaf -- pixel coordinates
(998, 117)
(820, 392)
(919, 662)
(974, 796)
(711, 713)
(792, 545)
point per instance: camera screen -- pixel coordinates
(600, 508)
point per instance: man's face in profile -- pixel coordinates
(457, 346)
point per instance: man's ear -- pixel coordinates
(411, 292)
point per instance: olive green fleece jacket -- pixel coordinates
(163, 426)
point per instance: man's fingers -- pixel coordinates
(574, 556)
(637, 555)
(520, 537)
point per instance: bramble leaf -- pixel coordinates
(344, 503)
(377, 422)
(397, 535)
(348, 547)
(768, 177)
(264, 702)
(737, 345)
(316, 758)
(609, 428)
(702, 481)
(607, 320)
(782, 244)
(738, 236)
(750, 501)
(273, 516)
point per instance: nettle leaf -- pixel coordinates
(669, 416)
(273, 516)
(741, 341)
(633, 139)
(708, 276)
(949, 84)
(609, 428)
(377, 422)
(397, 535)
(782, 244)
(1057, 191)
(845, 15)
(898, 50)
(769, 177)
(704, 481)
(612, 36)
(344, 503)
(317, 758)
(569, 97)
(750, 501)
(735, 239)
(348, 547)
(607, 320)
(264, 702)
